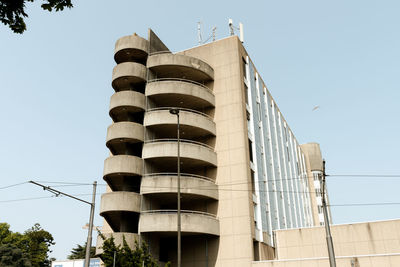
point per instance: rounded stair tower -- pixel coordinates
(123, 169)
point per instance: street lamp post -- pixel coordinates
(175, 111)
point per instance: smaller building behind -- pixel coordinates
(367, 244)
(95, 262)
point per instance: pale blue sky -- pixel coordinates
(56, 83)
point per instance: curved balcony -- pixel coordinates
(123, 172)
(130, 239)
(168, 65)
(124, 104)
(193, 154)
(180, 92)
(192, 222)
(123, 137)
(127, 75)
(195, 186)
(193, 123)
(131, 48)
(121, 210)
(120, 201)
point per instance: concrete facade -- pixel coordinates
(368, 244)
(244, 175)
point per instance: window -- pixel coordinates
(246, 93)
(253, 185)
(287, 151)
(244, 64)
(319, 209)
(259, 111)
(250, 150)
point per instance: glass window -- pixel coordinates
(250, 150)
(244, 64)
(246, 93)
(253, 185)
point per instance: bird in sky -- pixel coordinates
(315, 108)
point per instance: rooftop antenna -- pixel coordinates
(241, 32)
(213, 35)
(200, 38)
(214, 29)
(233, 28)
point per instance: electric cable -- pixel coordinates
(13, 185)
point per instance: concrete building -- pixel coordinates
(95, 262)
(244, 174)
(367, 244)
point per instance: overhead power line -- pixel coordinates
(62, 183)
(331, 205)
(34, 198)
(365, 175)
(13, 185)
(66, 183)
(364, 204)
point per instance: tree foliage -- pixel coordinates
(10, 255)
(12, 12)
(30, 248)
(124, 255)
(80, 252)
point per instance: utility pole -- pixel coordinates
(329, 241)
(92, 205)
(89, 240)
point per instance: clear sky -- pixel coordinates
(341, 55)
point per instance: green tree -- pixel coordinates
(12, 12)
(80, 252)
(11, 256)
(33, 246)
(38, 244)
(124, 255)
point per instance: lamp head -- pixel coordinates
(174, 111)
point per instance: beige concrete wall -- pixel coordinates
(129, 130)
(188, 185)
(167, 59)
(126, 73)
(191, 222)
(349, 239)
(370, 244)
(187, 150)
(312, 161)
(392, 260)
(235, 211)
(195, 120)
(200, 93)
(120, 201)
(123, 164)
(129, 99)
(313, 152)
(132, 42)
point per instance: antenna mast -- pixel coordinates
(214, 30)
(200, 38)
(232, 29)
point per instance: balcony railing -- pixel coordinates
(182, 175)
(180, 80)
(160, 52)
(181, 140)
(202, 213)
(181, 109)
